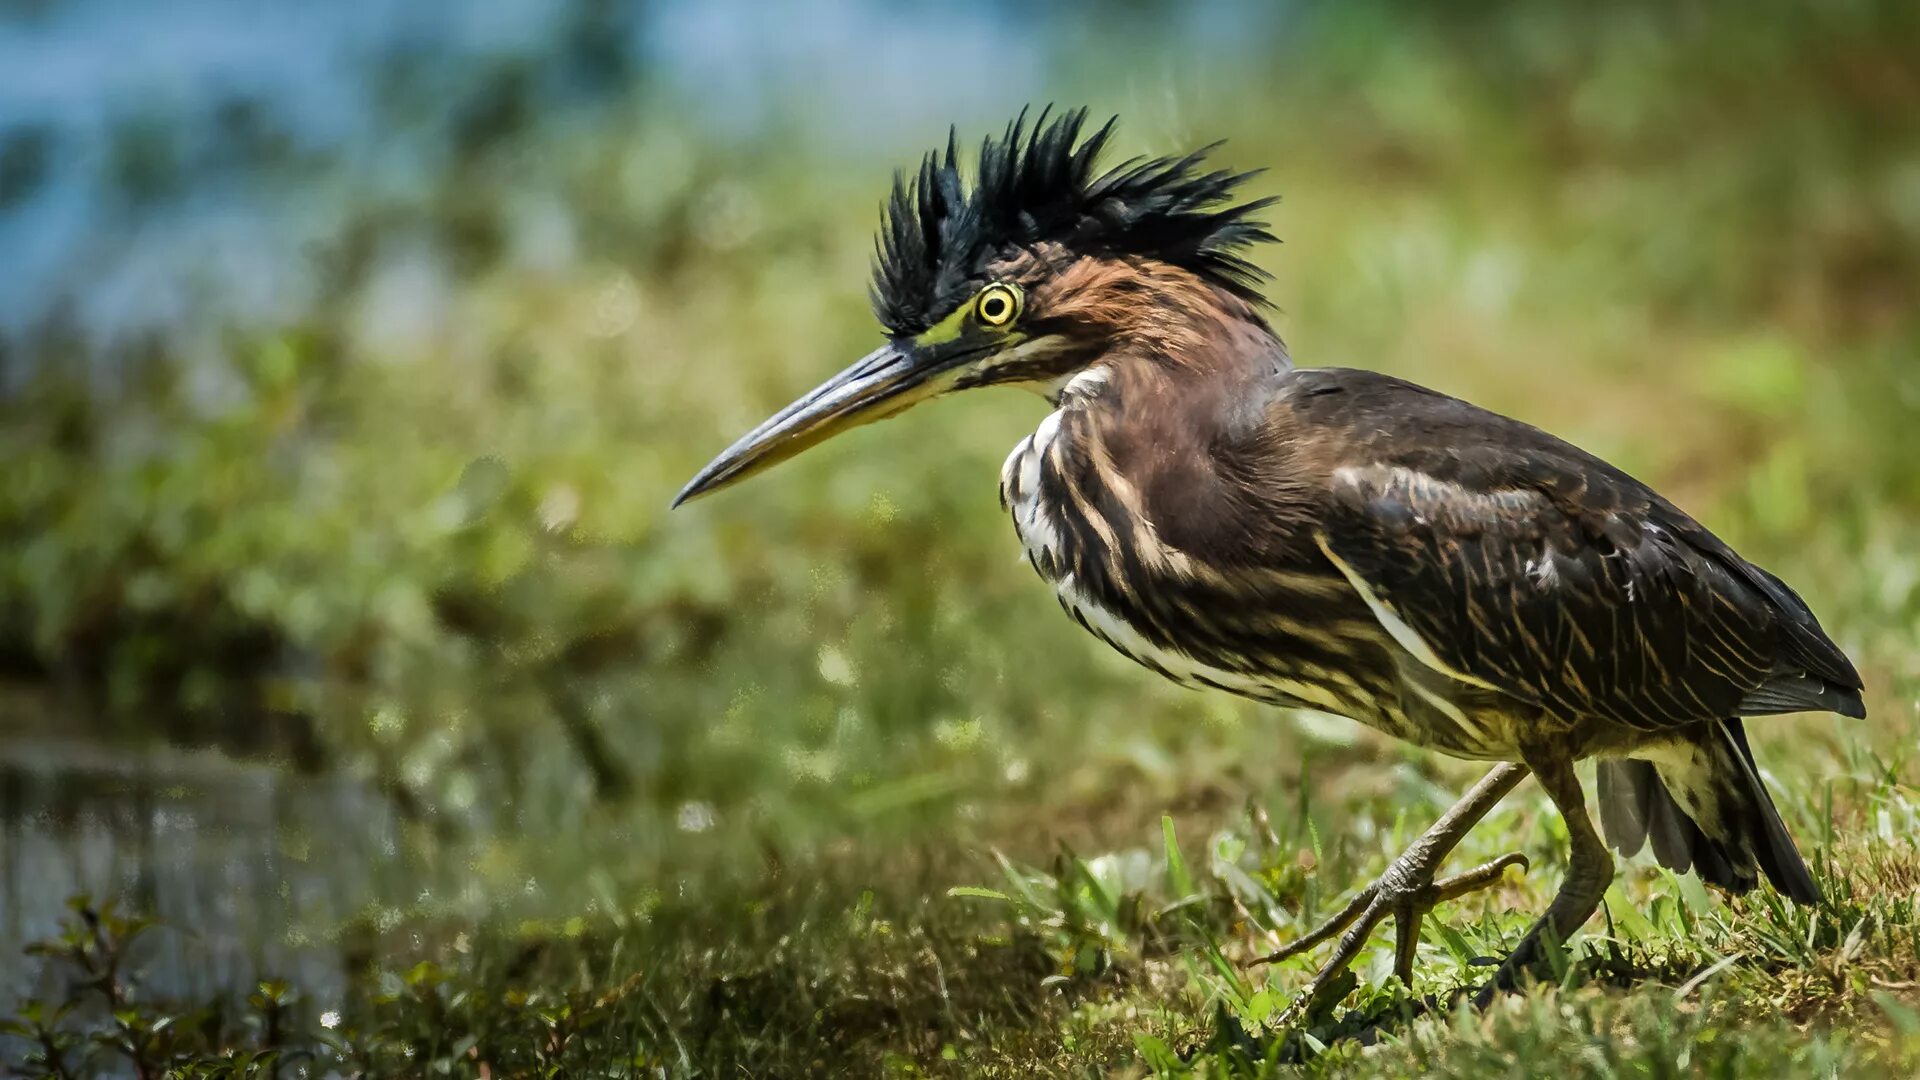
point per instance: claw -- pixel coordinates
(1480, 877)
(1406, 893)
(1406, 945)
(1325, 930)
(1413, 909)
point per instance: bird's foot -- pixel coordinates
(1539, 955)
(1529, 956)
(1407, 891)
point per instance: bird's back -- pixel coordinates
(1349, 542)
(1459, 511)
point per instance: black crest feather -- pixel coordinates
(1039, 185)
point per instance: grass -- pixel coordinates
(812, 779)
(1132, 960)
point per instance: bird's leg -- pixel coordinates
(1589, 872)
(1408, 890)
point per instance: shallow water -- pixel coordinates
(247, 869)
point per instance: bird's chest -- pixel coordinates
(1035, 519)
(1073, 545)
(1288, 637)
(1113, 577)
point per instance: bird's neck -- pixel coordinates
(1198, 336)
(1161, 425)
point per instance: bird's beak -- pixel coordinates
(886, 381)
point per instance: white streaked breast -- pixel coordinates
(1184, 669)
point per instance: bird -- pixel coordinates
(1326, 538)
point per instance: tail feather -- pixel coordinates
(1626, 792)
(1635, 806)
(1704, 807)
(1774, 847)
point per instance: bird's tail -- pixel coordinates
(1702, 803)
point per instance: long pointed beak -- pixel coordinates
(884, 382)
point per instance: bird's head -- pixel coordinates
(1028, 277)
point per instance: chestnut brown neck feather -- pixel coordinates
(1155, 312)
(1179, 414)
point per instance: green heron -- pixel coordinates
(1330, 539)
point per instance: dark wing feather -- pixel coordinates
(1539, 570)
(1793, 692)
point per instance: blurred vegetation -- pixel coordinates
(418, 534)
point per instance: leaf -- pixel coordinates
(1901, 1015)
(1018, 881)
(425, 974)
(977, 893)
(1455, 941)
(1178, 877)
(1155, 1052)
(1104, 903)
(1229, 975)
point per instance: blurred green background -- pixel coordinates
(349, 357)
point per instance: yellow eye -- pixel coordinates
(997, 304)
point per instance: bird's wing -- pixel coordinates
(1514, 561)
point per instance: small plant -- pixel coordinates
(100, 1016)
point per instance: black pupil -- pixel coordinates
(996, 307)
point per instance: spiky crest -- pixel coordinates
(1038, 186)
